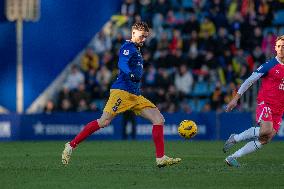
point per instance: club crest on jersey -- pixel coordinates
(126, 52)
(277, 71)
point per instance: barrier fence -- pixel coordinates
(64, 126)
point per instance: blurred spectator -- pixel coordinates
(82, 106)
(66, 105)
(145, 9)
(104, 78)
(162, 6)
(150, 76)
(237, 22)
(230, 93)
(207, 42)
(207, 27)
(89, 60)
(217, 14)
(49, 107)
(160, 99)
(217, 99)
(264, 13)
(258, 56)
(63, 94)
(183, 80)
(128, 8)
(238, 60)
(206, 108)
(163, 42)
(191, 24)
(158, 21)
(217, 42)
(254, 40)
(74, 78)
(91, 79)
(79, 95)
(268, 44)
(128, 119)
(102, 43)
(238, 40)
(184, 107)
(176, 42)
(164, 78)
(209, 59)
(108, 60)
(172, 98)
(117, 42)
(175, 59)
(224, 41)
(232, 9)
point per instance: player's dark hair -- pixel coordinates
(140, 26)
(280, 38)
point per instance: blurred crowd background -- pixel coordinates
(198, 53)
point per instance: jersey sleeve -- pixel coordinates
(248, 82)
(125, 54)
(264, 68)
(261, 71)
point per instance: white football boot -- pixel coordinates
(66, 154)
(229, 143)
(167, 161)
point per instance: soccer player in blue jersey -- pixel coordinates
(125, 95)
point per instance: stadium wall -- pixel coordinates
(64, 126)
(63, 30)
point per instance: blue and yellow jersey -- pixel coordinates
(130, 61)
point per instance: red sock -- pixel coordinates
(158, 137)
(90, 128)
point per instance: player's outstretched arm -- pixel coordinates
(233, 103)
(244, 87)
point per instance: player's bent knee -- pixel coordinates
(159, 120)
(104, 123)
(265, 139)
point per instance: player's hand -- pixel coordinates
(133, 77)
(232, 104)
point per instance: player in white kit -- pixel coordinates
(270, 106)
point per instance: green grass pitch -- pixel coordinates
(129, 164)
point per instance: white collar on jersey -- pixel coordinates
(279, 60)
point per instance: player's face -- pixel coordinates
(139, 37)
(279, 48)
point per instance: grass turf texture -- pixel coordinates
(116, 164)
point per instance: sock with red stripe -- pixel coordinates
(90, 128)
(158, 137)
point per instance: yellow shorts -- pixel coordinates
(119, 101)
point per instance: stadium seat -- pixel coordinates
(278, 18)
(281, 31)
(200, 89)
(193, 104)
(201, 103)
(269, 30)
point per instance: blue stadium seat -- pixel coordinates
(100, 104)
(200, 89)
(192, 104)
(269, 29)
(201, 103)
(278, 18)
(281, 30)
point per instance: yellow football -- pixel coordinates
(187, 129)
